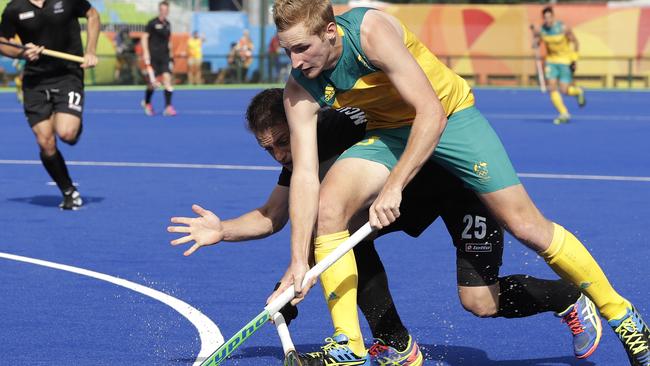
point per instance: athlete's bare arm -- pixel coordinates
(382, 41)
(302, 115)
(90, 56)
(208, 229)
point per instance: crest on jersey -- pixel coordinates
(329, 93)
(481, 170)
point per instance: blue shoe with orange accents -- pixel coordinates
(584, 322)
(382, 354)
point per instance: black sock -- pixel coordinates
(55, 166)
(147, 95)
(522, 296)
(375, 300)
(168, 98)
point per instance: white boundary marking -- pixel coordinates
(209, 333)
(275, 168)
(490, 116)
(148, 165)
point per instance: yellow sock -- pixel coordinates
(571, 260)
(339, 284)
(556, 98)
(574, 90)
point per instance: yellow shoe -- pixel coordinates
(561, 119)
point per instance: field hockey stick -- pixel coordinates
(290, 354)
(50, 53)
(272, 308)
(538, 62)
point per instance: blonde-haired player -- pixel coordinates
(418, 109)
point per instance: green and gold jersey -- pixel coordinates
(558, 47)
(355, 82)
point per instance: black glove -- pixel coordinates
(573, 67)
(288, 311)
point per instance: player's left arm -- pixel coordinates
(94, 25)
(382, 41)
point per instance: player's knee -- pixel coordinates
(479, 306)
(331, 214)
(71, 136)
(47, 143)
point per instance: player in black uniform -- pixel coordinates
(53, 89)
(157, 57)
(476, 235)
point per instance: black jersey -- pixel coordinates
(159, 33)
(337, 130)
(54, 26)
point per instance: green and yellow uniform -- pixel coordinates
(559, 53)
(468, 147)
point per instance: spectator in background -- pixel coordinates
(228, 73)
(245, 51)
(274, 58)
(195, 58)
(125, 68)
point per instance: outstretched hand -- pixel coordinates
(203, 230)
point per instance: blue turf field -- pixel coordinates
(54, 317)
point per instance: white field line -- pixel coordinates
(275, 168)
(209, 333)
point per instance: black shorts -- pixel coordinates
(477, 236)
(63, 94)
(160, 65)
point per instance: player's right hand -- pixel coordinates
(203, 230)
(294, 277)
(32, 52)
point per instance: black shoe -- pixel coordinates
(71, 200)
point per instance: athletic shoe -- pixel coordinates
(71, 200)
(584, 322)
(148, 108)
(562, 118)
(335, 353)
(383, 355)
(169, 111)
(582, 101)
(634, 334)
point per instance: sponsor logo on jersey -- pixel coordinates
(58, 7)
(478, 247)
(355, 114)
(26, 15)
(360, 59)
(75, 107)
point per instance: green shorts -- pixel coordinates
(559, 72)
(469, 148)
